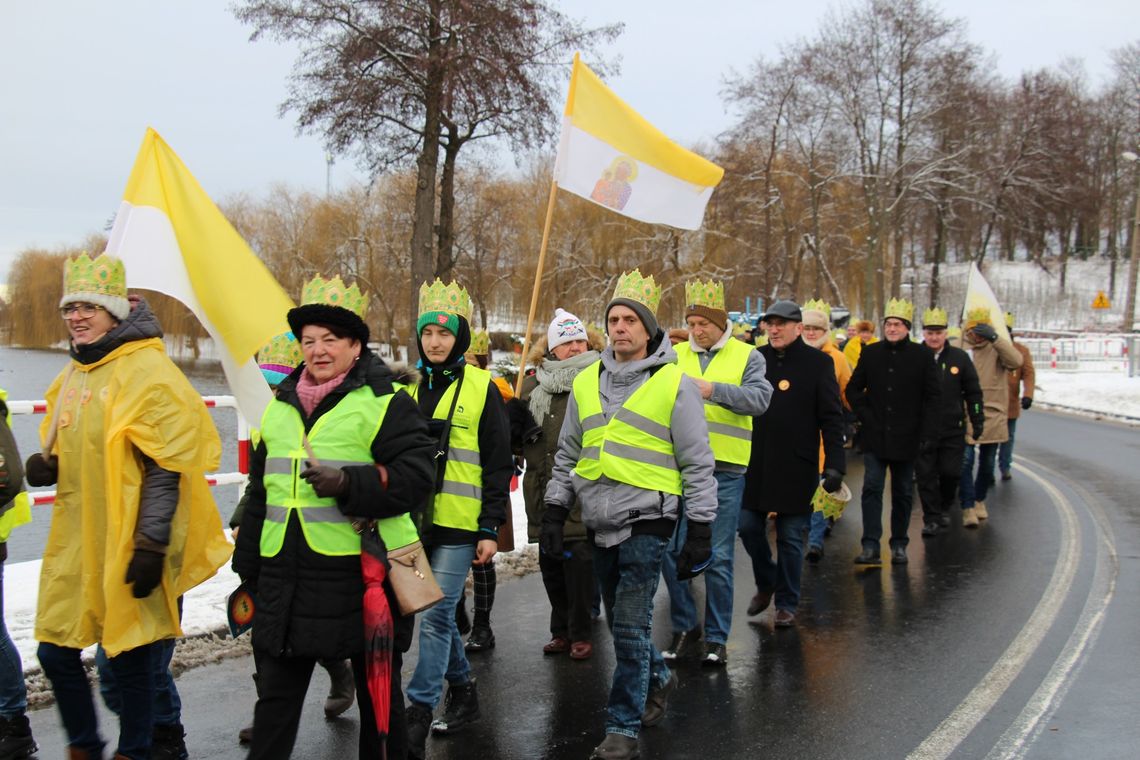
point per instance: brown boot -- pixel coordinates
(75, 753)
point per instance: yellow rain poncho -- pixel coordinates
(133, 401)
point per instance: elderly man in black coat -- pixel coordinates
(895, 392)
(783, 472)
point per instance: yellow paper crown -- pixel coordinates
(480, 343)
(644, 290)
(1009, 320)
(284, 350)
(700, 293)
(899, 308)
(334, 293)
(954, 332)
(934, 316)
(450, 298)
(105, 276)
(979, 315)
(817, 304)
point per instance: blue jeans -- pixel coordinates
(628, 575)
(1005, 450)
(783, 574)
(974, 489)
(167, 703)
(13, 693)
(441, 647)
(817, 530)
(135, 680)
(718, 575)
(902, 499)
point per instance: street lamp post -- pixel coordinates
(1134, 258)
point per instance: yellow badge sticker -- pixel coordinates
(784, 385)
(953, 370)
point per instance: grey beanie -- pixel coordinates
(643, 313)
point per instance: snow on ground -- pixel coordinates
(1110, 394)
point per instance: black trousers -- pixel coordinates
(937, 472)
(570, 588)
(282, 683)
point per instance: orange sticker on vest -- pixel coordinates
(953, 370)
(783, 385)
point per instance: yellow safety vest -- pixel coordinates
(730, 434)
(341, 437)
(635, 446)
(460, 500)
(19, 510)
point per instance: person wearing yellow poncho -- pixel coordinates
(134, 526)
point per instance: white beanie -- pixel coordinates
(564, 328)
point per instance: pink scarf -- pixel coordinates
(310, 392)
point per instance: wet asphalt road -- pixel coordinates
(1018, 639)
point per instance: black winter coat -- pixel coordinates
(539, 453)
(783, 471)
(309, 604)
(896, 394)
(960, 391)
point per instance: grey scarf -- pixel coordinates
(556, 377)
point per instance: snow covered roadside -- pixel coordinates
(1110, 395)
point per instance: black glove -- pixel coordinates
(695, 554)
(985, 332)
(145, 571)
(326, 481)
(978, 424)
(1026, 402)
(39, 471)
(832, 481)
(550, 537)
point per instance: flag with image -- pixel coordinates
(174, 240)
(609, 154)
(979, 295)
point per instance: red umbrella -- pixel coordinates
(378, 630)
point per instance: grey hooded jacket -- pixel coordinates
(610, 508)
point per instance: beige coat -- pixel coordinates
(993, 362)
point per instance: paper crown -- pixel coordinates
(954, 332)
(701, 293)
(1009, 320)
(104, 276)
(283, 351)
(979, 315)
(899, 308)
(817, 304)
(934, 317)
(334, 293)
(480, 343)
(450, 298)
(644, 290)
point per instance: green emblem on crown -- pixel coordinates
(817, 304)
(934, 317)
(450, 298)
(644, 290)
(105, 276)
(899, 308)
(480, 343)
(979, 315)
(284, 350)
(701, 293)
(334, 293)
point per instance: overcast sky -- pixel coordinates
(80, 81)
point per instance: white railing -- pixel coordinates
(1083, 353)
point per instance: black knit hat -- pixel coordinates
(330, 316)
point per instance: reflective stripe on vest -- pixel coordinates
(341, 437)
(460, 500)
(636, 445)
(730, 434)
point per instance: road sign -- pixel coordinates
(1101, 301)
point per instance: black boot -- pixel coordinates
(16, 738)
(169, 743)
(342, 690)
(419, 726)
(460, 708)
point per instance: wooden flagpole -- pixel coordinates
(537, 286)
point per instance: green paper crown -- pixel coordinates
(283, 350)
(334, 293)
(700, 293)
(450, 298)
(899, 308)
(103, 276)
(817, 304)
(644, 290)
(979, 315)
(480, 343)
(934, 316)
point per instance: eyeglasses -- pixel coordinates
(82, 310)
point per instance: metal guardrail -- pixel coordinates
(1086, 353)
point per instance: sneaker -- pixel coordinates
(814, 554)
(616, 747)
(342, 690)
(715, 656)
(969, 518)
(657, 701)
(932, 528)
(480, 640)
(419, 726)
(682, 645)
(784, 619)
(460, 708)
(980, 510)
(167, 743)
(16, 738)
(1006, 475)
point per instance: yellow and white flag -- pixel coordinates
(173, 239)
(979, 295)
(609, 154)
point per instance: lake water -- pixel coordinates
(26, 374)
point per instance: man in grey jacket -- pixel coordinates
(633, 443)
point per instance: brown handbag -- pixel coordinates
(412, 579)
